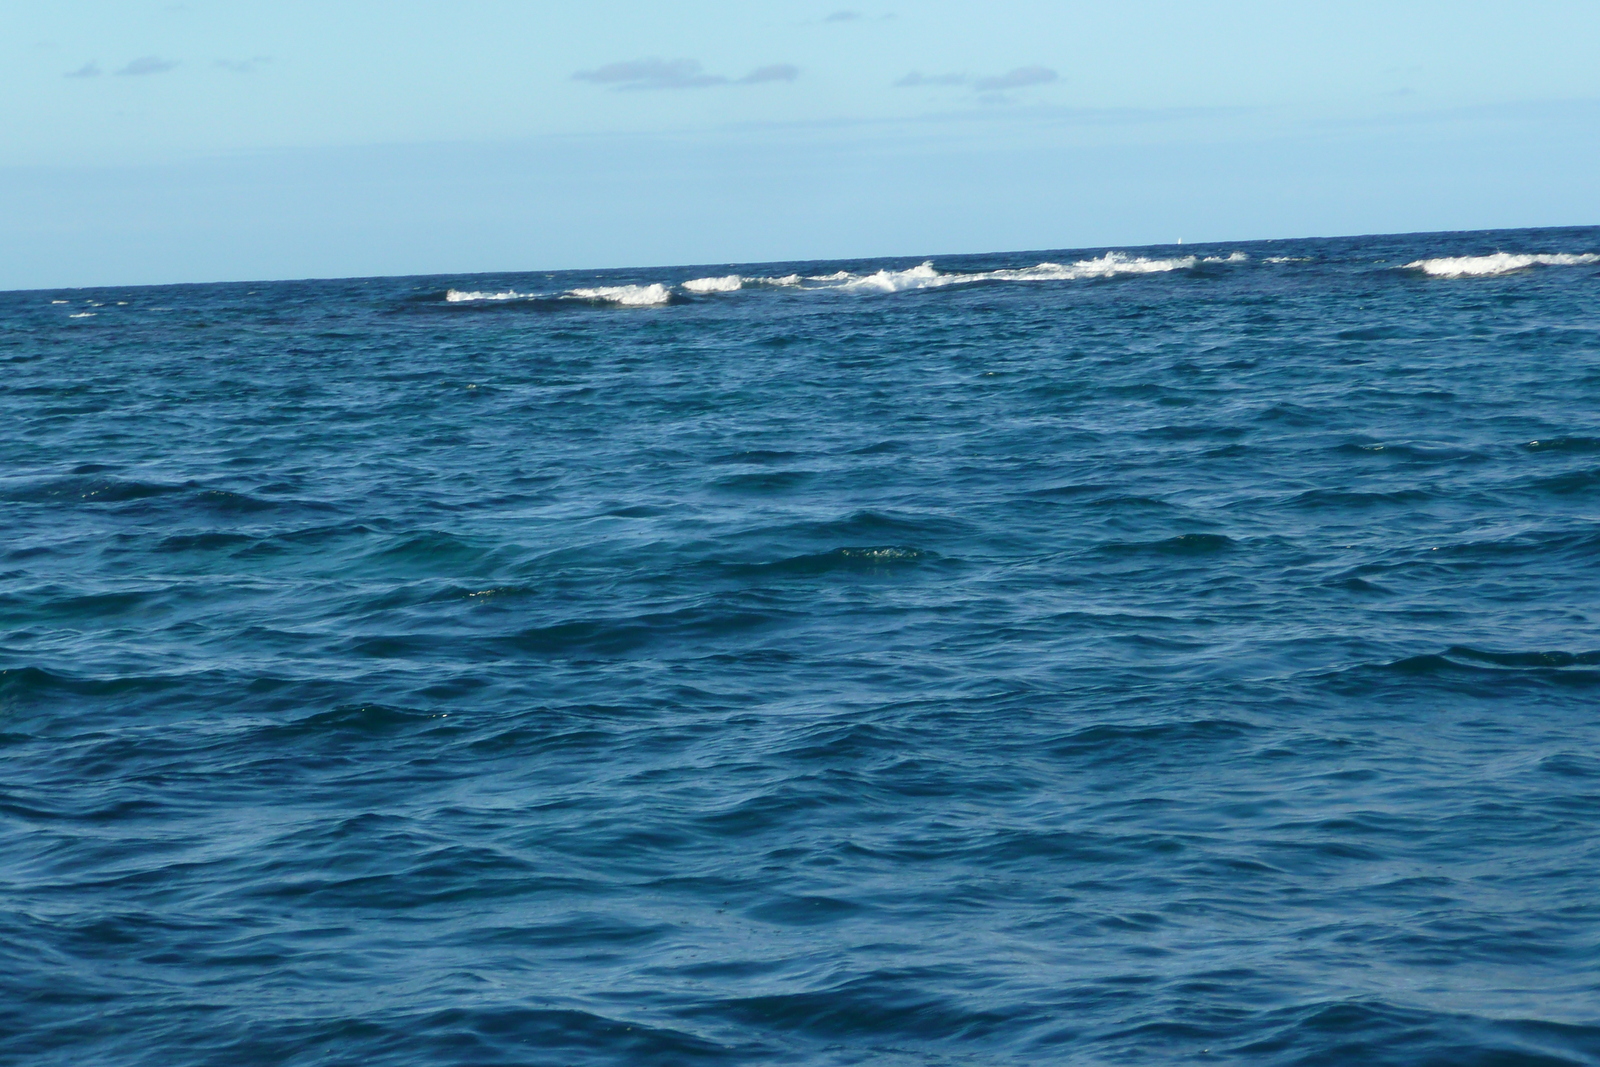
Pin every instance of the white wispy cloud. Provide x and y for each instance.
(148, 65)
(777, 72)
(916, 78)
(655, 73)
(991, 88)
(1018, 78)
(243, 66)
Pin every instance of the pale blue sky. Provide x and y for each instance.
(197, 141)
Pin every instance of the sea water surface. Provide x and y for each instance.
(1112, 656)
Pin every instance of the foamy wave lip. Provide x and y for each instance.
(1497, 263)
(893, 281)
(625, 295)
(788, 280)
(924, 276)
(725, 284)
(456, 296)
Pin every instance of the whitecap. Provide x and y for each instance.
(725, 284)
(625, 295)
(787, 280)
(925, 276)
(457, 296)
(1497, 263)
(58, 301)
(893, 281)
(82, 315)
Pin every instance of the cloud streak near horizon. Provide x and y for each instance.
(655, 73)
(1016, 78)
(148, 65)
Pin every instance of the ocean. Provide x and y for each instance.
(1158, 655)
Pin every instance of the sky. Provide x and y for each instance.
(206, 140)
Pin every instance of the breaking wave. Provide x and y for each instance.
(926, 276)
(1497, 263)
(726, 284)
(620, 295)
(457, 296)
(625, 295)
(923, 276)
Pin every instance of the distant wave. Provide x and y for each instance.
(621, 295)
(926, 276)
(923, 276)
(726, 284)
(457, 296)
(626, 295)
(1498, 263)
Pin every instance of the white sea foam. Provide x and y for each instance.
(726, 284)
(83, 315)
(1498, 263)
(58, 301)
(456, 296)
(922, 276)
(625, 295)
(925, 276)
(1287, 259)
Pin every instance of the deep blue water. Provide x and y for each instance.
(1191, 655)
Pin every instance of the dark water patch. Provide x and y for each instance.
(882, 1004)
(1340, 500)
(855, 559)
(1473, 675)
(1524, 659)
(1378, 1032)
(1580, 445)
(210, 541)
(91, 490)
(1568, 483)
(1189, 544)
(626, 635)
(1161, 741)
(764, 481)
(1411, 453)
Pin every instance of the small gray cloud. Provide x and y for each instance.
(656, 73)
(777, 72)
(88, 70)
(148, 65)
(1019, 78)
(651, 73)
(243, 66)
(843, 16)
(916, 78)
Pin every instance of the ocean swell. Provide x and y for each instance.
(1498, 263)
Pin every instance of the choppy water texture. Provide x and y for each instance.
(1151, 656)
